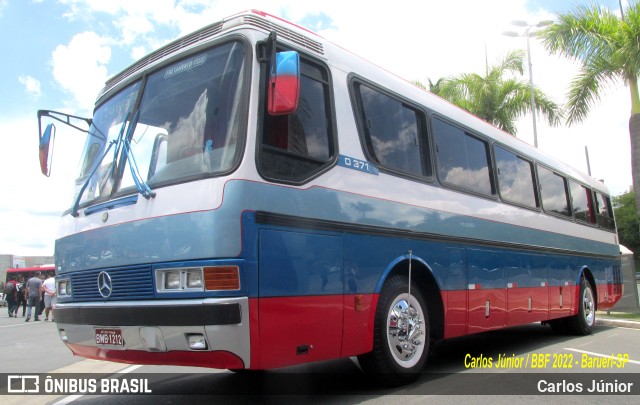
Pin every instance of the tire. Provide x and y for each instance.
(582, 323)
(400, 335)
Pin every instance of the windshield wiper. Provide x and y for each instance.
(121, 141)
(141, 185)
(74, 210)
(117, 141)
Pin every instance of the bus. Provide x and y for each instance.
(253, 196)
(28, 272)
(16, 273)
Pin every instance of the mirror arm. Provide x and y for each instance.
(67, 121)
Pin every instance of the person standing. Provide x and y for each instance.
(34, 284)
(10, 294)
(21, 298)
(41, 306)
(49, 287)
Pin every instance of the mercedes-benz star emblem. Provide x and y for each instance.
(104, 284)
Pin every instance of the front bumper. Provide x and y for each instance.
(157, 332)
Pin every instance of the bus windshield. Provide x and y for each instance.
(187, 126)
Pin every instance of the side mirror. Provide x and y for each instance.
(46, 149)
(284, 83)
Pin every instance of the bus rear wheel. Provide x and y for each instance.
(400, 335)
(582, 323)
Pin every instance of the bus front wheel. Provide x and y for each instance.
(400, 335)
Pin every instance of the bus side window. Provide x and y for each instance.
(582, 203)
(604, 213)
(393, 132)
(553, 191)
(516, 180)
(297, 146)
(463, 159)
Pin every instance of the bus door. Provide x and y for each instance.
(301, 297)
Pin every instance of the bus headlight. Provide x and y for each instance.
(194, 278)
(171, 280)
(180, 279)
(63, 288)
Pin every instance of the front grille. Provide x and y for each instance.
(127, 283)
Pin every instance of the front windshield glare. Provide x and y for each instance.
(108, 121)
(188, 124)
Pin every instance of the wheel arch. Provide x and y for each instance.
(422, 275)
(588, 275)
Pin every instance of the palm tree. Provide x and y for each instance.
(608, 49)
(495, 98)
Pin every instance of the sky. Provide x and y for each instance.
(57, 54)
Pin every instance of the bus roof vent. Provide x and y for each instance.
(285, 33)
(166, 50)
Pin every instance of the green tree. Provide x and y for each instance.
(608, 49)
(627, 221)
(497, 97)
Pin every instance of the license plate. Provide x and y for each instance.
(109, 337)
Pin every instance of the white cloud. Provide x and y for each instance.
(80, 67)
(138, 52)
(132, 26)
(32, 85)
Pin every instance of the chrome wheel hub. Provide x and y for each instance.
(405, 333)
(588, 306)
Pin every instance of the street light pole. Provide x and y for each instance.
(533, 99)
(527, 34)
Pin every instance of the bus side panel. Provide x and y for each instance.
(609, 285)
(301, 300)
(562, 273)
(296, 330)
(359, 314)
(527, 291)
(456, 294)
(487, 291)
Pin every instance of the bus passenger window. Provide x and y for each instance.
(553, 191)
(299, 145)
(393, 132)
(604, 213)
(516, 181)
(582, 203)
(463, 159)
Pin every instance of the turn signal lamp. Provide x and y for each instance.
(222, 278)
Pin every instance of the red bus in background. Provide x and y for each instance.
(28, 272)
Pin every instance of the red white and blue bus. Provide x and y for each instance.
(252, 196)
